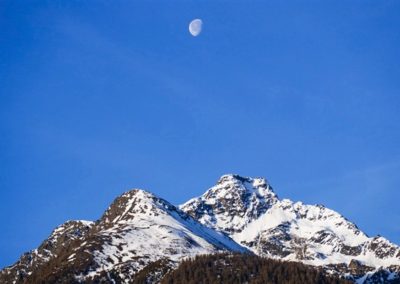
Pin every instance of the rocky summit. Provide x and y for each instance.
(142, 234)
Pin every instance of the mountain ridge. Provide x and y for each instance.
(238, 214)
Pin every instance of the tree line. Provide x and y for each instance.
(242, 268)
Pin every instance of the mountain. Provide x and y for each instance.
(138, 229)
(141, 238)
(248, 210)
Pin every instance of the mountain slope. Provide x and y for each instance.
(62, 238)
(137, 230)
(250, 212)
(140, 225)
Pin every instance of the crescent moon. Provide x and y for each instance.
(195, 27)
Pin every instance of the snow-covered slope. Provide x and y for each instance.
(141, 225)
(232, 203)
(250, 212)
(138, 230)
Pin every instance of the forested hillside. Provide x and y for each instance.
(241, 268)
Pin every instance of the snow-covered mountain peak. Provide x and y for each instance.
(136, 230)
(232, 186)
(232, 203)
(248, 210)
(139, 224)
(231, 182)
(136, 203)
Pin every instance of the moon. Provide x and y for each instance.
(195, 27)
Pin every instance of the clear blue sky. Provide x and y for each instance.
(100, 97)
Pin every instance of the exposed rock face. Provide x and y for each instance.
(63, 238)
(140, 237)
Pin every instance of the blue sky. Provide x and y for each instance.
(97, 97)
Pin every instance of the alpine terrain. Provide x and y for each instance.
(141, 236)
